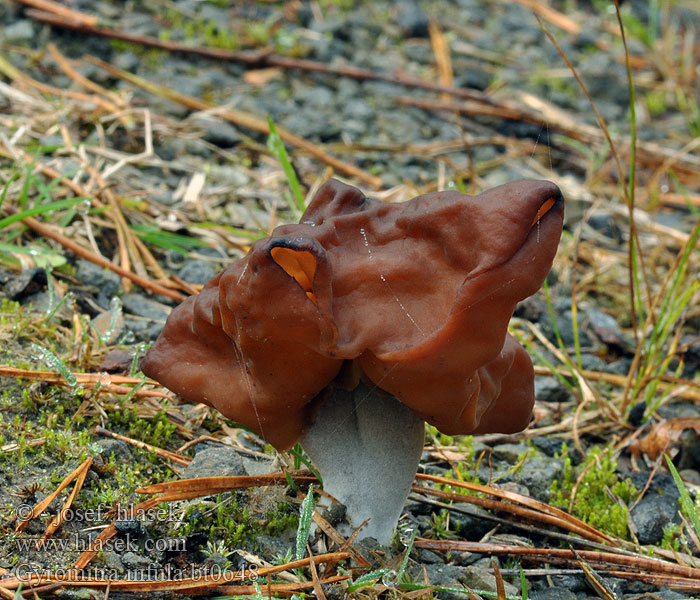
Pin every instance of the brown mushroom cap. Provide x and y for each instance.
(419, 294)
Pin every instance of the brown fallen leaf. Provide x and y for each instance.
(663, 435)
(260, 77)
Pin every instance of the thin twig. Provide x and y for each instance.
(166, 454)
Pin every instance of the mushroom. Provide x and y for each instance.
(350, 329)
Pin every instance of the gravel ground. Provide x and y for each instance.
(207, 167)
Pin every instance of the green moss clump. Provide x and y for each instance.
(156, 431)
(233, 521)
(601, 497)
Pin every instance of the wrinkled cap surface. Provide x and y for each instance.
(418, 294)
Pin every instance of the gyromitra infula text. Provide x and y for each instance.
(348, 330)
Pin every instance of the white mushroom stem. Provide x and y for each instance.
(367, 446)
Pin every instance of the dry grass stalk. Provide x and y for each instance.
(81, 471)
(90, 380)
(166, 454)
(241, 119)
(603, 559)
(60, 517)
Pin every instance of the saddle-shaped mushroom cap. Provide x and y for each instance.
(418, 294)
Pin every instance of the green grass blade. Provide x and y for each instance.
(41, 209)
(55, 363)
(276, 146)
(12, 178)
(300, 458)
(404, 563)
(307, 509)
(29, 178)
(523, 584)
(555, 327)
(686, 502)
(237, 231)
(176, 242)
(575, 331)
(41, 256)
(368, 579)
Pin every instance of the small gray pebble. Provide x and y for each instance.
(215, 461)
(19, 32)
(550, 389)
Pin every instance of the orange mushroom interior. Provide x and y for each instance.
(543, 210)
(299, 264)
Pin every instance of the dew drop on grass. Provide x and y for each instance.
(56, 364)
(406, 536)
(390, 578)
(128, 337)
(84, 207)
(115, 309)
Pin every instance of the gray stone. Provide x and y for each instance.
(131, 560)
(76, 594)
(537, 474)
(573, 583)
(605, 223)
(690, 344)
(358, 109)
(106, 9)
(411, 18)
(553, 593)
(266, 545)
(473, 78)
(550, 389)
(109, 326)
(510, 453)
(478, 579)
(165, 198)
(690, 476)
(130, 527)
(606, 328)
(311, 124)
(228, 175)
(670, 595)
(565, 326)
(604, 78)
(427, 557)
(18, 32)
(112, 561)
(690, 450)
(662, 483)
(127, 61)
(102, 279)
(45, 303)
(219, 132)
(26, 283)
(473, 523)
(145, 307)
(619, 367)
(419, 51)
(442, 574)
(108, 448)
(190, 85)
(652, 515)
(591, 362)
(214, 461)
(143, 331)
(314, 96)
(515, 488)
(550, 446)
(197, 271)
